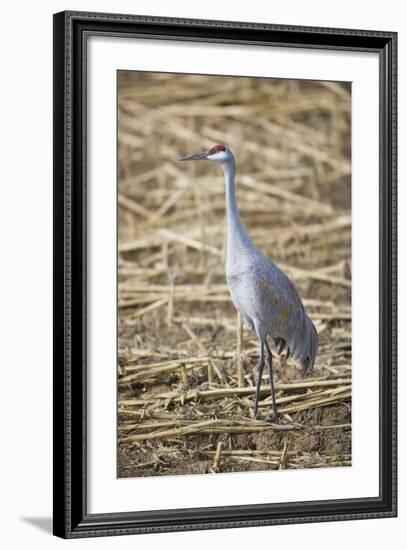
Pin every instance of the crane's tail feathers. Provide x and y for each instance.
(307, 367)
(280, 343)
(309, 362)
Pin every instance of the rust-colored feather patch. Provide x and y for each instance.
(217, 148)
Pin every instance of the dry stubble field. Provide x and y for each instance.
(186, 369)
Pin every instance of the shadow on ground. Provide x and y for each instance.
(42, 523)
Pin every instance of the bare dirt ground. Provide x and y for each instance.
(183, 408)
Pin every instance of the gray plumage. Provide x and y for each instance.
(259, 289)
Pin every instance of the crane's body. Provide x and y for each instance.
(259, 289)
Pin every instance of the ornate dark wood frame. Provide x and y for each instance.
(71, 518)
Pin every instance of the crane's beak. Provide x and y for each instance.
(196, 156)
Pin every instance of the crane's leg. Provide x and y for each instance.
(273, 396)
(260, 368)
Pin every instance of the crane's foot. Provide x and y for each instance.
(273, 420)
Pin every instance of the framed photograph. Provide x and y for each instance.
(224, 274)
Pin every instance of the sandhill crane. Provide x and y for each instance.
(259, 289)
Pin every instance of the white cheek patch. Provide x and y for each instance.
(220, 156)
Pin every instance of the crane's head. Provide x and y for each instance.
(218, 153)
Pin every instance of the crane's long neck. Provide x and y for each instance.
(237, 238)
